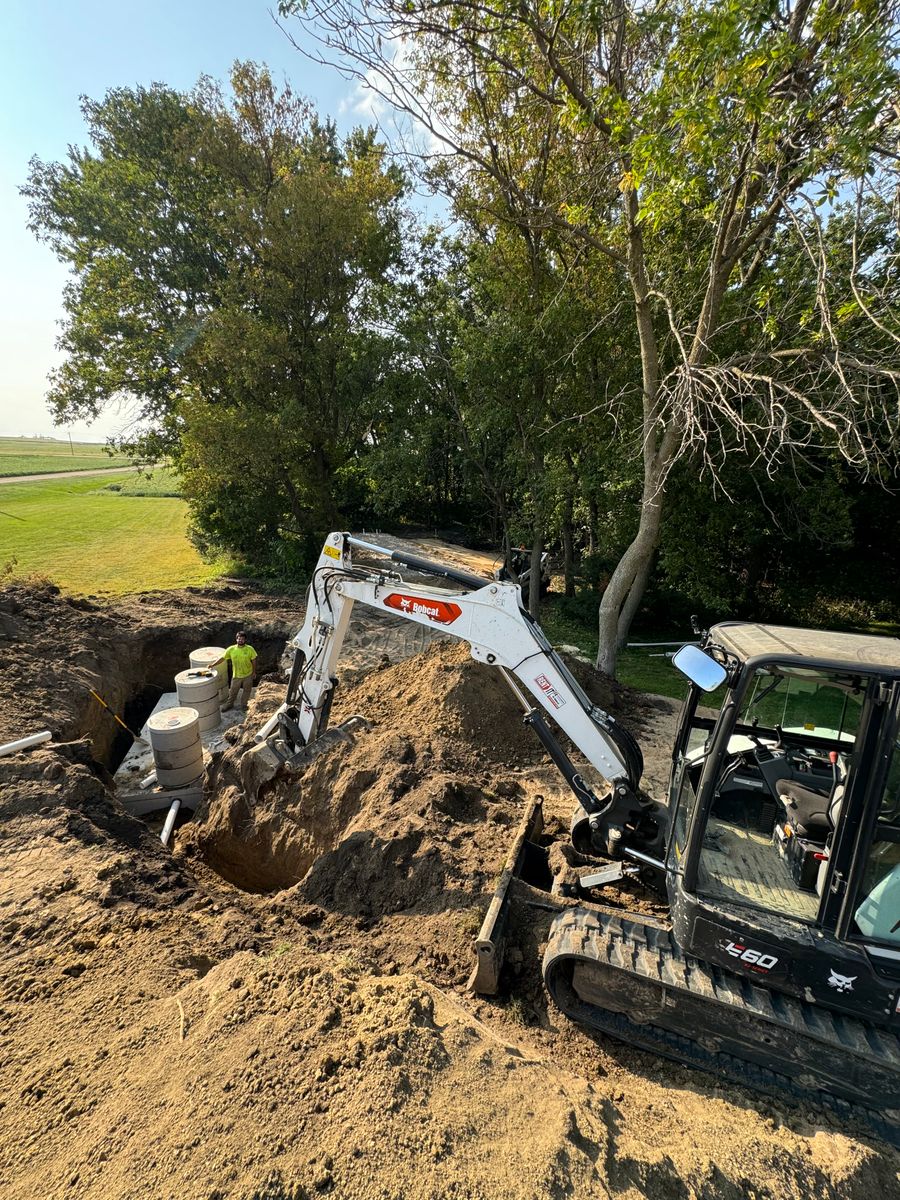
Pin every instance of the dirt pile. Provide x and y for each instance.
(413, 815)
(296, 1075)
(401, 831)
(294, 1023)
(53, 802)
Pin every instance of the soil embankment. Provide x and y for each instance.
(277, 1010)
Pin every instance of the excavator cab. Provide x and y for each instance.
(784, 853)
(778, 965)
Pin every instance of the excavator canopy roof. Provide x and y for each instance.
(747, 640)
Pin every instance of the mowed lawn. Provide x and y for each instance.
(38, 456)
(88, 540)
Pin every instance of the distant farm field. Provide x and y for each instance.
(37, 456)
(90, 540)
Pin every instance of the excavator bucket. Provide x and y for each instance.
(263, 762)
(490, 945)
(259, 764)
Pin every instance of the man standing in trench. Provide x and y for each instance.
(243, 671)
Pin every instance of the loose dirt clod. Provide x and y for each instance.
(276, 1010)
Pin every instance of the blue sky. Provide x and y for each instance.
(53, 51)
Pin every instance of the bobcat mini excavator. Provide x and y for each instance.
(778, 848)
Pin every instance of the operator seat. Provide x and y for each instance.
(806, 807)
(814, 812)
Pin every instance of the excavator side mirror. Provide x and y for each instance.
(700, 669)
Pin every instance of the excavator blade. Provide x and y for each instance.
(624, 975)
(490, 945)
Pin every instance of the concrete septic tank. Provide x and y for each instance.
(174, 737)
(198, 688)
(207, 656)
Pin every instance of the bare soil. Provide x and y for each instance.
(277, 1009)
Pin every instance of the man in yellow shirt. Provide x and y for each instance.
(243, 671)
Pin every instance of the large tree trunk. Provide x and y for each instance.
(626, 587)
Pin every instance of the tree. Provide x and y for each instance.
(703, 138)
(232, 267)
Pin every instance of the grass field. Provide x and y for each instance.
(89, 540)
(35, 456)
(161, 481)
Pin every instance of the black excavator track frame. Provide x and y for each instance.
(761, 1039)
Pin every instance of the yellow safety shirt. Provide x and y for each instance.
(241, 660)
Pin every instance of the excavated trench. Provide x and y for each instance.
(57, 652)
(413, 816)
(270, 843)
(133, 690)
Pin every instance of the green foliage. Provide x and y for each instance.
(689, 158)
(653, 276)
(160, 481)
(233, 267)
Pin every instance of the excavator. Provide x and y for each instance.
(777, 848)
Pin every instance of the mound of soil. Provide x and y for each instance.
(409, 815)
(277, 1010)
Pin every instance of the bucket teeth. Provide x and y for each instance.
(345, 732)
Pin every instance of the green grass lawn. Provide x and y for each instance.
(647, 670)
(35, 456)
(89, 540)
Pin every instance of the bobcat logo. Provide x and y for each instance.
(843, 983)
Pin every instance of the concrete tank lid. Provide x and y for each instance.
(173, 718)
(196, 675)
(209, 651)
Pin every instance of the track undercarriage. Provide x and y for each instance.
(625, 975)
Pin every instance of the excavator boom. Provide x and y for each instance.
(488, 615)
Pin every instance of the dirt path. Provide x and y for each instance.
(65, 474)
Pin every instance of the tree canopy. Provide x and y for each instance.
(232, 266)
(660, 336)
(699, 147)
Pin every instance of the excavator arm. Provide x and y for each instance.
(489, 616)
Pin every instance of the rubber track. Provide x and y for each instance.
(647, 953)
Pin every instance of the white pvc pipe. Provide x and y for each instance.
(170, 822)
(147, 781)
(33, 739)
(270, 724)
